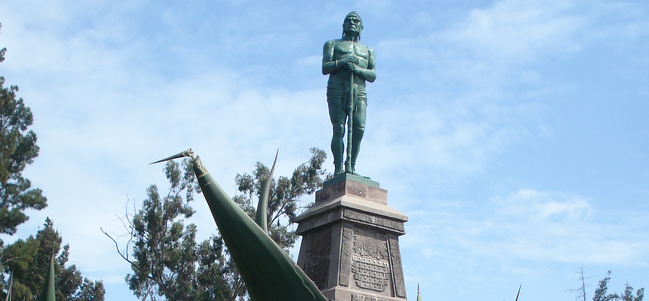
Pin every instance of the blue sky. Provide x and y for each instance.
(512, 133)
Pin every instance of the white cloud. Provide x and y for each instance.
(511, 32)
(537, 226)
(527, 203)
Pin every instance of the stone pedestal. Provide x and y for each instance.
(350, 242)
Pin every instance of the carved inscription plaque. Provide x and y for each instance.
(370, 273)
(317, 256)
(370, 260)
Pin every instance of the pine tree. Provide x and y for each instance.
(601, 293)
(28, 261)
(17, 149)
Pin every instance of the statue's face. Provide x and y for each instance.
(352, 25)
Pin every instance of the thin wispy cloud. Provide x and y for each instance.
(545, 228)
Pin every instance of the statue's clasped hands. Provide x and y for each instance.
(352, 63)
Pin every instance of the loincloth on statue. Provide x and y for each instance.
(338, 96)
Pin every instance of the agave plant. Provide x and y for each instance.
(519, 292)
(268, 272)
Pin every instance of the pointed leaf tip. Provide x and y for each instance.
(262, 207)
(272, 170)
(188, 153)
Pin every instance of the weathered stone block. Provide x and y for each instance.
(350, 244)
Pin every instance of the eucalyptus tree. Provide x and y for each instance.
(166, 259)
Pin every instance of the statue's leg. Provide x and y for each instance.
(359, 128)
(338, 118)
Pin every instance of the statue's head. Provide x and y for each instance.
(353, 25)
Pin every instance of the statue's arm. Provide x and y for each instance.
(368, 74)
(329, 64)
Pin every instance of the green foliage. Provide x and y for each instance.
(28, 260)
(601, 293)
(17, 149)
(602, 289)
(168, 262)
(284, 194)
(628, 294)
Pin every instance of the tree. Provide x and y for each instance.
(166, 259)
(17, 149)
(581, 290)
(601, 293)
(28, 261)
(284, 196)
(628, 293)
(602, 289)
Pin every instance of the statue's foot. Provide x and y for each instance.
(357, 174)
(338, 168)
(350, 169)
(338, 171)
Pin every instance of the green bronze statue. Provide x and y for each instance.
(349, 65)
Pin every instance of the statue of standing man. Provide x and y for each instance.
(349, 65)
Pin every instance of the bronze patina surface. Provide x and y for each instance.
(350, 65)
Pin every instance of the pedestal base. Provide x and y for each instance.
(350, 244)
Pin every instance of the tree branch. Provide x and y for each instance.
(125, 257)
